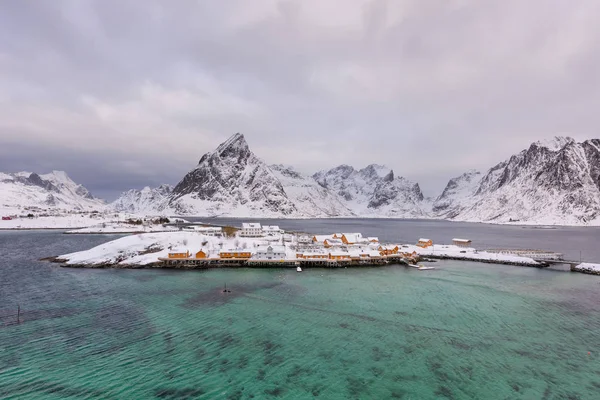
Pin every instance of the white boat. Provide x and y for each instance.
(298, 269)
(420, 267)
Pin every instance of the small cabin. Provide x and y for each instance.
(388, 250)
(461, 242)
(179, 253)
(352, 238)
(373, 239)
(201, 254)
(322, 238)
(424, 243)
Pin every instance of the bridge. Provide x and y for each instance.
(572, 264)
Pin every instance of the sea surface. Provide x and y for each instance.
(462, 331)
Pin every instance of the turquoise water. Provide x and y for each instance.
(465, 330)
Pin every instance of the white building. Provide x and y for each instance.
(210, 230)
(269, 253)
(272, 230)
(251, 229)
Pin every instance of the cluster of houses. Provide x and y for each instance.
(348, 247)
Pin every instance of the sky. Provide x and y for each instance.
(122, 94)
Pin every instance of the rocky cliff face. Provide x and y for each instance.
(231, 181)
(54, 190)
(145, 201)
(374, 191)
(557, 181)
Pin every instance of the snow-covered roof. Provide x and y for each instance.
(251, 225)
(461, 240)
(274, 249)
(270, 228)
(235, 251)
(353, 237)
(424, 240)
(311, 253)
(339, 253)
(178, 250)
(373, 239)
(322, 238)
(334, 241)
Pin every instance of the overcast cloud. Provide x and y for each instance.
(124, 94)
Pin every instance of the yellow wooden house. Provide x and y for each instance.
(201, 254)
(387, 250)
(178, 253)
(424, 243)
(235, 254)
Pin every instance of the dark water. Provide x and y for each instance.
(463, 331)
(573, 242)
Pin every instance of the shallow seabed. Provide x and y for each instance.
(465, 330)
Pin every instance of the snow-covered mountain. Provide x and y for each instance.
(374, 191)
(551, 182)
(231, 181)
(310, 198)
(145, 201)
(52, 191)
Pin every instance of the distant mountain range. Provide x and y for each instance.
(55, 190)
(553, 182)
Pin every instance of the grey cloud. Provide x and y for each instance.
(429, 88)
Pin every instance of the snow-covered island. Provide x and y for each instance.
(254, 244)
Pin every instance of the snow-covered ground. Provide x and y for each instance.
(61, 221)
(145, 249)
(122, 227)
(588, 268)
(466, 253)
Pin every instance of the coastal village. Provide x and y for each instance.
(268, 245)
(181, 244)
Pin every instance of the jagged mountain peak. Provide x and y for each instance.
(554, 144)
(552, 181)
(376, 171)
(231, 178)
(236, 142)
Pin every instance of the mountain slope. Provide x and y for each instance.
(145, 201)
(231, 181)
(374, 191)
(54, 190)
(310, 198)
(551, 182)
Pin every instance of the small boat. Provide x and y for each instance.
(298, 269)
(420, 267)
